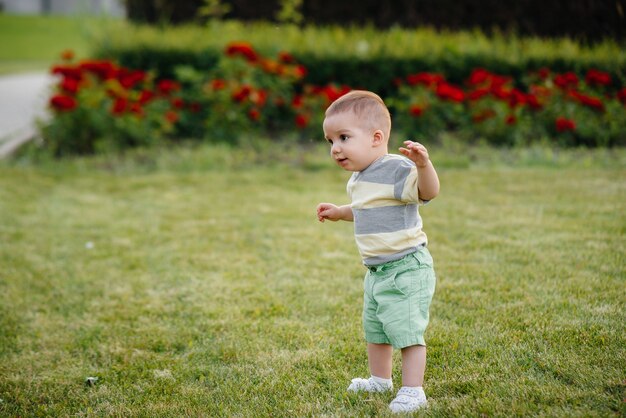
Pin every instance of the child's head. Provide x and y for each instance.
(357, 125)
(368, 107)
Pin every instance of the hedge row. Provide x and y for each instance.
(365, 58)
(374, 74)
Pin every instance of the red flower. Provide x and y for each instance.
(621, 96)
(63, 103)
(254, 114)
(597, 78)
(195, 107)
(543, 73)
(416, 110)
(171, 116)
(533, 102)
(271, 66)
(449, 92)
(242, 93)
(258, 97)
(119, 106)
(510, 120)
(566, 81)
(426, 79)
(484, 115)
(478, 94)
(67, 71)
(332, 93)
(178, 103)
(136, 109)
(300, 71)
(145, 96)
(297, 101)
(244, 49)
(129, 78)
(517, 98)
(500, 92)
(105, 70)
(497, 81)
(67, 55)
(563, 125)
(167, 86)
(301, 121)
(589, 101)
(479, 76)
(70, 85)
(218, 84)
(286, 57)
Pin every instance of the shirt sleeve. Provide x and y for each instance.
(406, 180)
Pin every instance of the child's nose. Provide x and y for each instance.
(336, 148)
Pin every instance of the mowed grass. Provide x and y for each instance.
(199, 283)
(34, 43)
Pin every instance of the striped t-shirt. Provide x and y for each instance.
(387, 224)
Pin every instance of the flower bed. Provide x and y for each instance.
(99, 105)
(561, 107)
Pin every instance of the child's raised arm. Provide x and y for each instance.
(427, 179)
(334, 213)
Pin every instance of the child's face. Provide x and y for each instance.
(353, 146)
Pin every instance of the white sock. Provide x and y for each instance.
(381, 381)
(417, 388)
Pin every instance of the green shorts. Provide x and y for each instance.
(397, 299)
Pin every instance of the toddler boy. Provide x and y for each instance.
(385, 190)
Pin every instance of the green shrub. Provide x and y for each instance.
(363, 57)
(559, 106)
(99, 106)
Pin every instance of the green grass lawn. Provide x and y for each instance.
(33, 43)
(199, 283)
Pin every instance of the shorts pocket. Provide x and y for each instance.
(427, 281)
(405, 282)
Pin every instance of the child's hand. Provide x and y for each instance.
(328, 211)
(416, 152)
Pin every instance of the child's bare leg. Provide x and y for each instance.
(411, 396)
(413, 365)
(379, 357)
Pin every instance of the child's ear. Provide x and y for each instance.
(379, 138)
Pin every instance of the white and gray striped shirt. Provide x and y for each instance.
(387, 223)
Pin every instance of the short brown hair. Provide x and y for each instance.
(367, 106)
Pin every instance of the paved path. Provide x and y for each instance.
(23, 101)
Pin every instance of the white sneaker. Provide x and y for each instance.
(368, 385)
(408, 400)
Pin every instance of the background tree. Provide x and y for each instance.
(584, 19)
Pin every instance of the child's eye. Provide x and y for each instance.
(343, 137)
(330, 141)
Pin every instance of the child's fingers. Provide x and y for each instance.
(322, 211)
(411, 149)
(414, 145)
